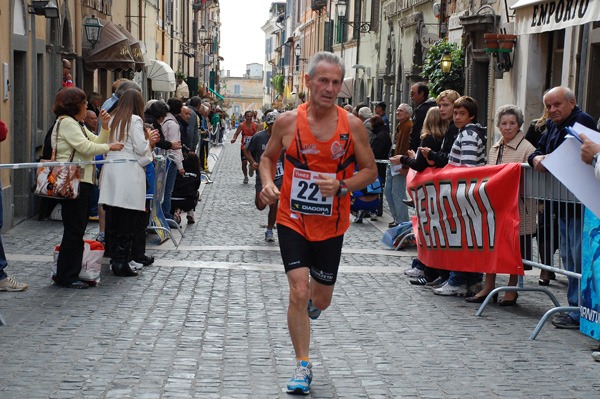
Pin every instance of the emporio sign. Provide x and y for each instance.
(543, 16)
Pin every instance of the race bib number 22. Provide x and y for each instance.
(305, 195)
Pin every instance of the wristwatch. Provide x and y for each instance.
(343, 190)
(595, 160)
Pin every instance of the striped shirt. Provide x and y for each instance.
(468, 148)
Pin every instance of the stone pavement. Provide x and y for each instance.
(208, 320)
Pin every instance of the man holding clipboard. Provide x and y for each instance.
(563, 113)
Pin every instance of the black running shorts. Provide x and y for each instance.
(322, 258)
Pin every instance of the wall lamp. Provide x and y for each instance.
(48, 9)
(341, 7)
(297, 52)
(93, 29)
(446, 62)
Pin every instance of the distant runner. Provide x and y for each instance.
(247, 129)
(253, 152)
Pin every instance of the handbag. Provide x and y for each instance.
(60, 182)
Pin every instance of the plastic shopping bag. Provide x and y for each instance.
(91, 264)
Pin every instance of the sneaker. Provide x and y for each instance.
(177, 217)
(419, 281)
(246, 180)
(251, 172)
(300, 382)
(93, 218)
(10, 285)
(100, 238)
(374, 217)
(450, 290)
(474, 289)
(409, 202)
(312, 310)
(190, 218)
(596, 356)
(565, 321)
(359, 216)
(135, 265)
(438, 282)
(269, 236)
(414, 272)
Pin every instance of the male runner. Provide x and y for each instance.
(322, 142)
(248, 129)
(253, 152)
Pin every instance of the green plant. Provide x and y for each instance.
(278, 83)
(432, 70)
(179, 75)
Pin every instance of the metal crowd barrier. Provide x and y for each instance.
(158, 223)
(549, 207)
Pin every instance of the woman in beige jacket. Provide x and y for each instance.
(69, 137)
(512, 147)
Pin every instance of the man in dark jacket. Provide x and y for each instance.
(184, 118)
(564, 112)
(419, 93)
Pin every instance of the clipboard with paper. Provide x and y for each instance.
(566, 165)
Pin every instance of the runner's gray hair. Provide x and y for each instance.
(327, 57)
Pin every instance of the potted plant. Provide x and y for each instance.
(506, 43)
(491, 42)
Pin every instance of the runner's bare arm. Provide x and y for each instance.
(283, 131)
(367, 172)
(237, 133)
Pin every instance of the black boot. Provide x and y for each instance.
(120, 264)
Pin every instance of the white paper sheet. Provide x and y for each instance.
(566, 165)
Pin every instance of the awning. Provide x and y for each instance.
(217, 94)
(111, 52)
(537, 16)
(161, 75)
(347, 90)
(135, 47)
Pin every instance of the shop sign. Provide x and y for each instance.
(543, 16)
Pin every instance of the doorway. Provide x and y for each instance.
(20, 138)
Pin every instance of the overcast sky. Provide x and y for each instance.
(242, 40)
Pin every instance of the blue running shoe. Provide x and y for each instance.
(313, 312)
(300, 382)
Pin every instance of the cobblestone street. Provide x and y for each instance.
(208, 320)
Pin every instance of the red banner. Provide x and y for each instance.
(468, 218)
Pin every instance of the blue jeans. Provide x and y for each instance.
(169, 184)
(469, 278)
(570, 253)
(395, 192)
(3, 262)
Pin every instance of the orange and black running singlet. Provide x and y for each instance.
(302, 207)
(247, 134)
